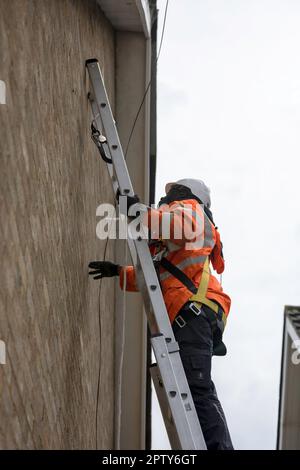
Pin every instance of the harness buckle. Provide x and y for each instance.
(196, 310)
(182, 321)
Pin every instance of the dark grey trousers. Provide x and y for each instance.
(196, 348)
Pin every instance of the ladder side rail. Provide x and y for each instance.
(145, 263)
(111, 134)
(97, 120)
(180, 399)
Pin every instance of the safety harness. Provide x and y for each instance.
(199, 294)
(214, 313)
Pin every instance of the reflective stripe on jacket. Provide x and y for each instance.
(187, 253)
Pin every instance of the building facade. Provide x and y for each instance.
(288, 436)
(75, 372)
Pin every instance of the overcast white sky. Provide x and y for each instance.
(229, 113)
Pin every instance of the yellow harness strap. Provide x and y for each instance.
(202, 289)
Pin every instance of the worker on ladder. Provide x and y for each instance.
(196, 303)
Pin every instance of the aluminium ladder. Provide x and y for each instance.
(168, 374)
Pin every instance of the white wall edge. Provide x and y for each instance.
(145, 15)
(2, 92)
(291, 330)
(2, 352)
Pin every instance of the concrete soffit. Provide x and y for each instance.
(128, 15)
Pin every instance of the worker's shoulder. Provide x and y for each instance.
(190, 204)
(186, 202)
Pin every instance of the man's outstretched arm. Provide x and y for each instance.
(100, 269)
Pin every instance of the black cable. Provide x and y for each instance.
(149, 84)
(163, 31)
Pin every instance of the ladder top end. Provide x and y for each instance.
(90, 61)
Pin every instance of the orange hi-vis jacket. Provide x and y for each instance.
(186, 251)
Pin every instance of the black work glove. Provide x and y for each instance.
(103, 269)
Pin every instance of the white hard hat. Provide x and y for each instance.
(197, 187)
